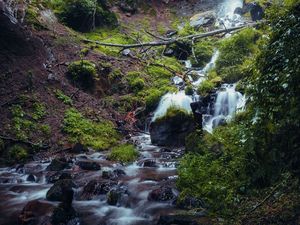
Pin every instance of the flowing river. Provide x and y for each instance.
(145, 190)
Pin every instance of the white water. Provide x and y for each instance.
(228, 102)
(178, 100)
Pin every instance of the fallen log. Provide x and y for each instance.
(170, 41)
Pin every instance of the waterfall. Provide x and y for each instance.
(226, 15)
(227, 103)
(179, 100)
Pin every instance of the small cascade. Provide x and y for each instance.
(179, 100)
(227, 103)
(226, 15)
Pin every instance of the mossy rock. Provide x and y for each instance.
(172, 128)
(83, 73)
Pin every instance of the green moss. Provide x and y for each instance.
(97, 135)
(176, 114)
(203, 51)
(64, 98)
(189, 90)
(125, 153)
(82, 73)
(206, 87)
(17, 153)
(233, 52)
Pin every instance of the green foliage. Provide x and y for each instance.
(206, 87)
(17, 153)
(83, 15)
(233, 52)
(97, 135)
(137, 84)
(125, 153)
(64, 98)
(203, 51)
(83, 73)
(189, 90)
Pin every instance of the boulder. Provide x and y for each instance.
(172, 129)
(88, 165)
(58, 165)
(58, 191)
(118, 196)
(95, 188)
(53, 177)
(78, 148)
(203, 19)
(31, 178)
(147, 163)
(162, 194)
(35, 212)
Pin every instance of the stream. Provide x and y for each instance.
(143, 191)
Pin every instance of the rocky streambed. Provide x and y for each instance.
(82, 187)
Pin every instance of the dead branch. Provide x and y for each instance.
(41, 146)
(170, 41)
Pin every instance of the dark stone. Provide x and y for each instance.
(58, 190)
(148, 163)
(171, 131)
(118, 196)
(169, 52)
(113, 174)
(88, 165)
(256, 12)
(35, 212)
(53, 177)
(31, 178)
(95, 188)
(64, 215)
(177, 220)
(57, 165)
(239, 11)
(113, 197)
(79, 148)
(161, 194)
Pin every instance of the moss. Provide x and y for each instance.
(124, 153)
(203, 52)
(97, 135)
(31, 18)
(176, 114)
(206, 87)
(17, 153)
(82, 73)
(189, 90)
(152, 98)
(64, 98)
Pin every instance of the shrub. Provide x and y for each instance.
(82, 73)
(83, 15)
(206, 87)
(124, 153)
(17, 153)
(97, 135)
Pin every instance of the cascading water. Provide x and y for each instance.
(228, 102)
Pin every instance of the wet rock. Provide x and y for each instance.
(79, 148)
(161, 194)
(57, 165)
(30, 178)
(65, 213)
(239, 11)
(203, 19)
(118, 196)
(256, 11)
(171, 130)
(148, 163)
(53, 177)
(88, 165)
(113, 174)
(95, 188)
(35, 212)
(57, 191)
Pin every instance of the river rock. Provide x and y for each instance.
(36, 212)
(203, 19)
(53, 177)
(161, 194)
(58, 165)
(95, 188)
(58, 190)
(112, 175)
(78, 148)
(171, 130)
(88, 165)
(31, 178)
(147, 163)
(118, 196)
